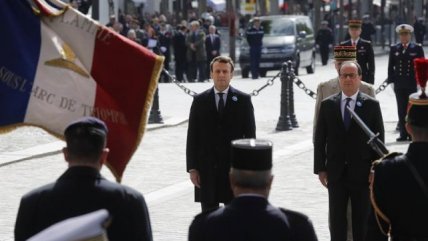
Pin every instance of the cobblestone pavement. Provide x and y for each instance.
(158, 167)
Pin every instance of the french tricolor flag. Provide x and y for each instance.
(57, 65)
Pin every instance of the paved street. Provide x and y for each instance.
(158, 167)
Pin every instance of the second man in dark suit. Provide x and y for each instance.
(212, 46)
(342, 158)
(217, 116)
(365, 54)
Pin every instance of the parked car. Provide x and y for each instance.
(287, 37)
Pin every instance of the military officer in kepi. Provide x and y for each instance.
(401, 72)
(399, 192)
(365, 54)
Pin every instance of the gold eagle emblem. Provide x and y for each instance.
(67, 61)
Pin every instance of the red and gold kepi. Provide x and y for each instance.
(354, 23)
(417, 109)
(344, 53)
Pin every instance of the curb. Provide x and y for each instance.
(55, 147)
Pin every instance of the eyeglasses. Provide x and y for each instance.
(350, 75)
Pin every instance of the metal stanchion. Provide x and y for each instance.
(155, 115)
(293, 119)
(284, 122)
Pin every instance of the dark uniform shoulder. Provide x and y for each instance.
(345, 42)
(365, 41)
(300, 226)
(294, 215)
(203, 215)
(388, 159)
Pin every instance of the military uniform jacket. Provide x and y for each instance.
(324, 37)
(400, 67)
(337, 149)
(398, 195)
(255, 36)
(365, 58)
(251, 218)
(328, 88)
(209, 138)
(78, 191)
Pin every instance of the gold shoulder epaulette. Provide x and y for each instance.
(387, 156)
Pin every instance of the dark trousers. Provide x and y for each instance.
(339, 193)
(197, 68)
(255, 55)
(402, 97)
(324, 51)
(367, 78)
(180, 69)
(209, 205)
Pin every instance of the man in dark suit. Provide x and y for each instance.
(212, 46)
(82, 189)
(180, 49)
(400, 185)
(217, 116)
(250, 216)
(401, 72)
(342, 158)
(365, 54)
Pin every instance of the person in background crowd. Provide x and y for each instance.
(133, 36)
(324, 41)
(255, 40)
(401, 72)
(196, 54)
(420, 30)
(112, 21)
(212, 45)
(367, 28)
(165, 39)
(180, 49)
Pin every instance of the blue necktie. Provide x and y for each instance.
(347, 114)
(220, 106)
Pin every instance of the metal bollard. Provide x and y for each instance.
(155, 115)
(284, 122)
(293, 119)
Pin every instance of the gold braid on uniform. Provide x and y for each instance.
(378, 213)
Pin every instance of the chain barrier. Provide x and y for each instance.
(382, 87)
(179, 84)
(303, 87)
(268, 83)
(193, 93)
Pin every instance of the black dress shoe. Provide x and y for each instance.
(403, 138)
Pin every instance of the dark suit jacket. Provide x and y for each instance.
(400, 67)
(399, 196)
(209, 137)
(251, 218)
(335, 147)
(78, 191)
(210, 46)
(365, 58)
(179, 45)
